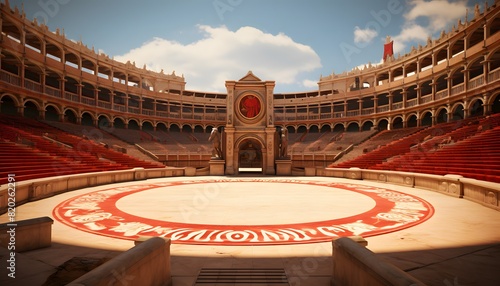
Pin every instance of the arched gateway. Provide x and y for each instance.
(250, 139)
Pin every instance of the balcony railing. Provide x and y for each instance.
(412, 102)
(494, 75)
(10, 78)
(353, 113)
(71, 96)
(457, 89)
(53, 91)
(134, 110)
(88, 101)
(32, 85)
(426, 98)
(442, 94)
(119, 108)
(148, 112)
(397, 105)
(384, 108)
(104, 104)
(367, 111)
(476, 82)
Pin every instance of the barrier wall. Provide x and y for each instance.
(29, 234)
(485, 193)
(147, 263)
(354, 264)
(14, 194)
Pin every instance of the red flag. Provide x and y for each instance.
(388, 50)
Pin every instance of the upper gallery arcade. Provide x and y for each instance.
(46, 75)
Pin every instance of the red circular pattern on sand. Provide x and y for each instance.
(97, 213)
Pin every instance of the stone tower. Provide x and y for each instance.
(250, 134)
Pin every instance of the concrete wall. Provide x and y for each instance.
(12, 195)
(25, 235)
(147, 263)
(485, 193)
(354, 264)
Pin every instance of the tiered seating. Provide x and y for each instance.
(423, 147)
(67, 154)
(341, 141)
(382, 153)
(473, 151)
(29, 163)
(177, 142)
(131, 136)
(302, 144)
(477, 157)
(100, 136)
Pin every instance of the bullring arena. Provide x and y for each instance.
(114, 174)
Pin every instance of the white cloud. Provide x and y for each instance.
(426, 19)
(439, 13)
(408, 34)
(310, 83)
(227, 55)
(364, 35)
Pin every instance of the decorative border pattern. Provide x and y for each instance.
(97, 213)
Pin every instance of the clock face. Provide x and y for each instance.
(250, 106)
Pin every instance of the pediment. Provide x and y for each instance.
(250, 77)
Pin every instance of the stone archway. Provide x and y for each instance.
(250, 157)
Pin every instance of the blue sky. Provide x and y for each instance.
(292, 42)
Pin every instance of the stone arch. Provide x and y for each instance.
(104, 121)
(339, 127)
(174, 127)
(119, 122)
(326, 128)
(493, 59)
(367, 125)
(133, 124)
(250, 152)
(52, 112)
(411, 120)
(352, 126)
(397, 122)
(198, 129)
(457, 111)
(31, 109)
(314, 129)
(88, 119)
(147, 125)
(494, 102)
(441, 115)
(426, 118)
(161, 126)
(8, 104)
(301, 129)
(383, 124)
(476, 107)
(187, 128)
(475, 67)
(70, 115)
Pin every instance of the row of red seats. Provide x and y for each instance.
(477, 156)
(472, 153)
(31, 149)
